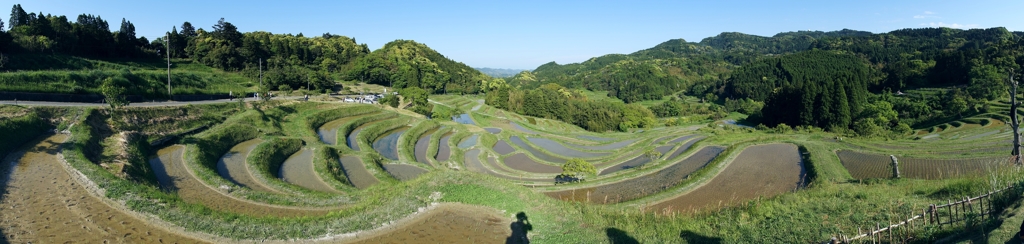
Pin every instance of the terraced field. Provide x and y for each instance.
(315, 172)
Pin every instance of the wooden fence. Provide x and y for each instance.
(965, 212)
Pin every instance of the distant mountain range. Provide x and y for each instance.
(500, 73)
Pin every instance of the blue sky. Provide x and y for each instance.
(526, 34)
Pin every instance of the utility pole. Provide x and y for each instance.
(167, 42)
(1014, 121)
(261, 74)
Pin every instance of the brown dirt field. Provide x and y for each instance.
(44, 204)
(762, 170)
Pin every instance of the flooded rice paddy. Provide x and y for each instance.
(421, 147)
(351, 138)
(356, 172)
(866, 165)
(593, 138)
(404, 172)
(444, 152)
(328, 132)
(473, 164)
(520, 161)
(232, 166)
(493, 130)
(448, 223)
(190, 189)
(42, 203)
(503, 148)
(605, 147)
(522, 129)
(463, 119)
(638, 187)
(635, 162)
(468, 142)
(762, 170)
(684, 147)
(559, 149)
(536, 153)
(298, 170)
(387, 145)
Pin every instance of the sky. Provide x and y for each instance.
(526, 34)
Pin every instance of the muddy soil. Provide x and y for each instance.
(44, 204)
(192, 190)
(387, 145)
(762, 170)
(444, 152)
(642, 186)
(404, 172)
(448, 223)
(298, 170)
(473, 164)
(864, 165)
(233, 166)
(356, 172)
(421, 147)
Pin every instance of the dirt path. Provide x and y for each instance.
(192, 190)
(44, 204)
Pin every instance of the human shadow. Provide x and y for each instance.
(617, 236)
(690, 237)
(519, 230)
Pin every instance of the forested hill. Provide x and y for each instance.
(900, 59)
(405, 63)
(52, 47)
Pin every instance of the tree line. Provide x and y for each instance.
(553, 101)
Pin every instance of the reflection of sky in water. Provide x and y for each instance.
(388, 145)
(468, 142)
(463, 119)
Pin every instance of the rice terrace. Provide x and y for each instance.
(223, 136)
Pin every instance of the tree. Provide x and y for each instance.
(958, 105)
(577, 167)
(114, 93)
(188, 30)
(652, 154)
(18, 16)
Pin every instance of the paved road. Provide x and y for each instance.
(140, 104)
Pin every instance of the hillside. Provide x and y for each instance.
(404, 63)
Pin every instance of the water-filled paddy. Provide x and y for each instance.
(522, 162)
(192, 190)
(559, 149)
(610, 146)
(356, 172)
(536, 153)
(444, 152)
(403, 172)
(635, 162)
(593, 138)
(762, 170)
(298, 170)
(387, 145)
(684, 147)
(328, 132)
(42, 203)
(503, 148)
(473, 164)
(233, 167)
(522, 129)
(351, 138)
(468, 142)
(493, 130)
(463, 119)
(421, 147)
(644, 185)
